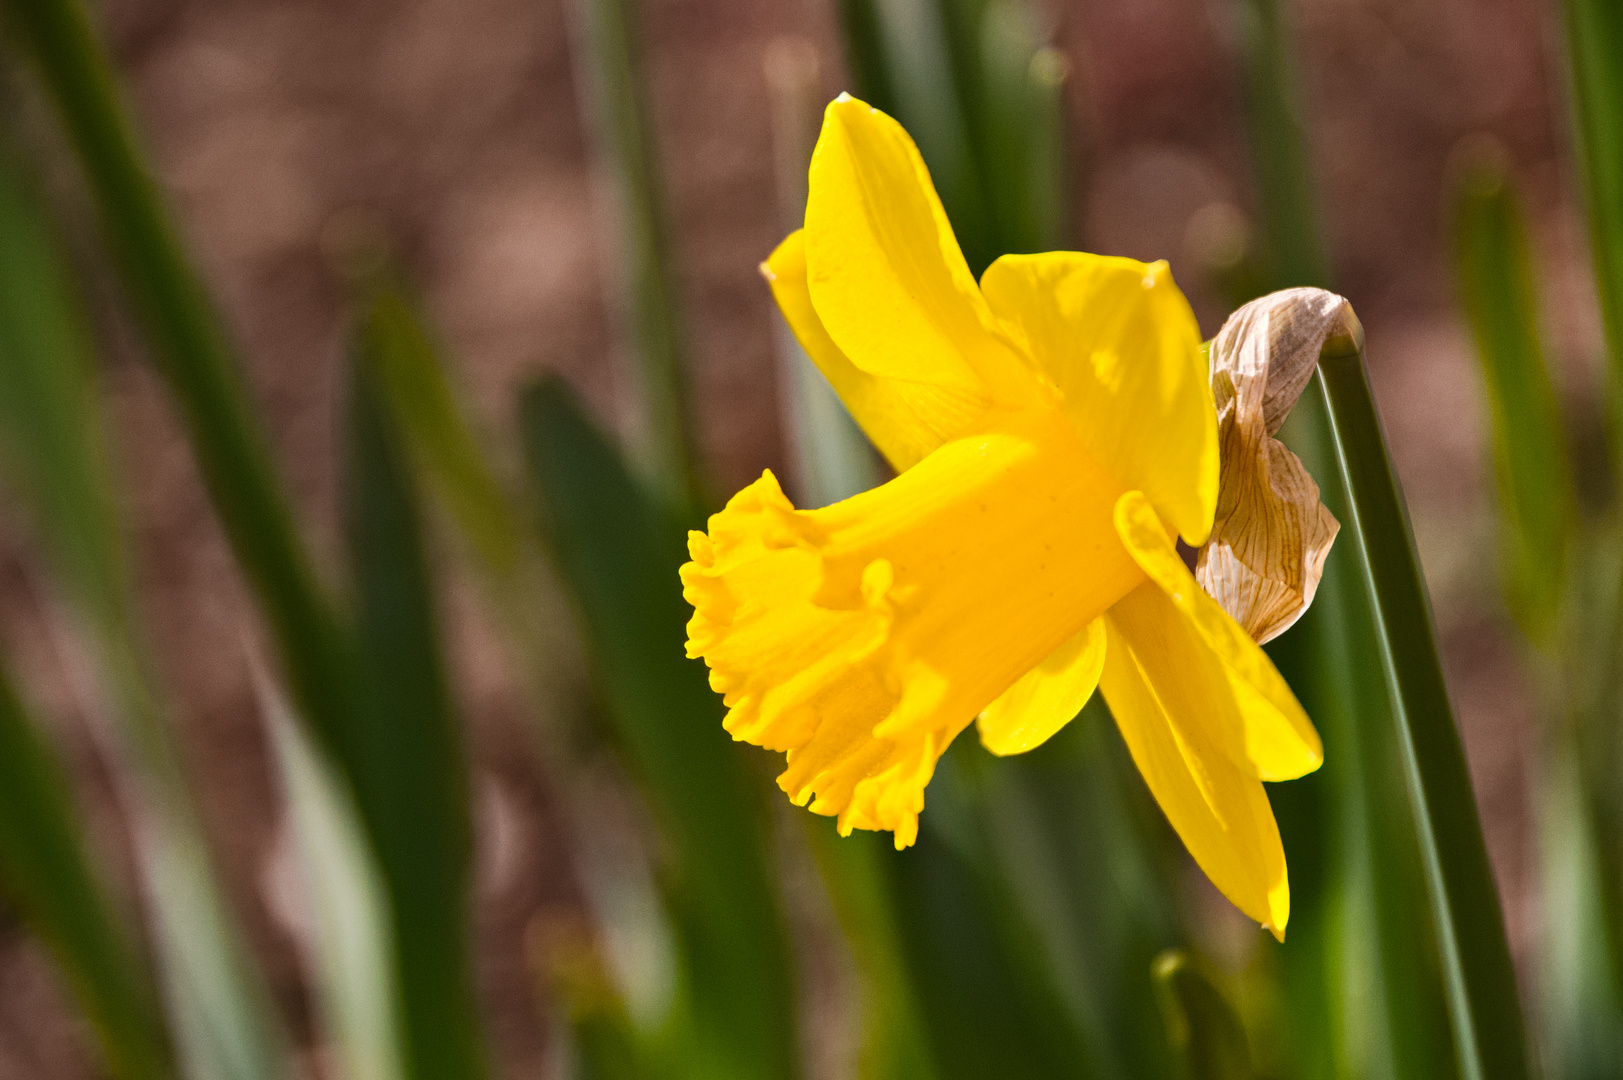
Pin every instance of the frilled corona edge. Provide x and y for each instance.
(861, 638)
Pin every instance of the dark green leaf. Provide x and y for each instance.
(46, 874)
(606, 31)
(51, 448)
(1481, 983)
(1536, 500)
(617, 552)
(403, 744)
(190, 349)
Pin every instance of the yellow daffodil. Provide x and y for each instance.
(1053, 431)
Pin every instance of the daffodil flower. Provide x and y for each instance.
(1053, 431)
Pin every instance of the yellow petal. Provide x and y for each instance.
(1119, 341)
(884, 270)
(1220, 812)
(862, 637)
(1047, 697)
(1279, 740)
(904, 418)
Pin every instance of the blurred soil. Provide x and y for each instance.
(284, 128)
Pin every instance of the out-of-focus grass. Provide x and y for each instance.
(191, 349)
(404, 740)
(1202, 1026)
(1551, 557)
(53, 454)
(1537, 506)
(610, 76)
(351, 954)
(1594, 41)
(46, 873)
(617, 550)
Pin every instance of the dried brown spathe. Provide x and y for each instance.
(1271, 534)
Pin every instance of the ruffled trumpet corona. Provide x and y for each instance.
(1053, 430)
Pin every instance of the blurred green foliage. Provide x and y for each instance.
(1020, 936)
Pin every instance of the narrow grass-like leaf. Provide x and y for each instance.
(617, 552)
(1595, 64)
(1292, 252)
(1484, 1009)
(407, 765)
(865, 55)
(51, 448)
(607, 63)
(45, 872)
(1021, 128)
(190, 348)
(429, 416)
(895, 1044)
(1201, 1024)
(1380, 1002)
(1582, 1011)
(505, 559)
(1537, 509)
(991, 1002)
(1092, 868)
(1363, 982)
(352, 956)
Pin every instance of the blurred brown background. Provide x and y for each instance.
(283, 128)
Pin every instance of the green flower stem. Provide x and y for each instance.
(1484, 1010)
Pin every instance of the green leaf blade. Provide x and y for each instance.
(46, 872)
(1484, 1008)
(617, 552)
(52, 450)
(191, 350)
(403, 746)
(1595, 68)
(1537, 505)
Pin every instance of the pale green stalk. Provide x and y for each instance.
(610, 77)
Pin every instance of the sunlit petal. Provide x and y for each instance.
(1219, 810)
(1047, 697)
(906, 419)
(1119, 341)
(884, 271)
(1280, 742)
